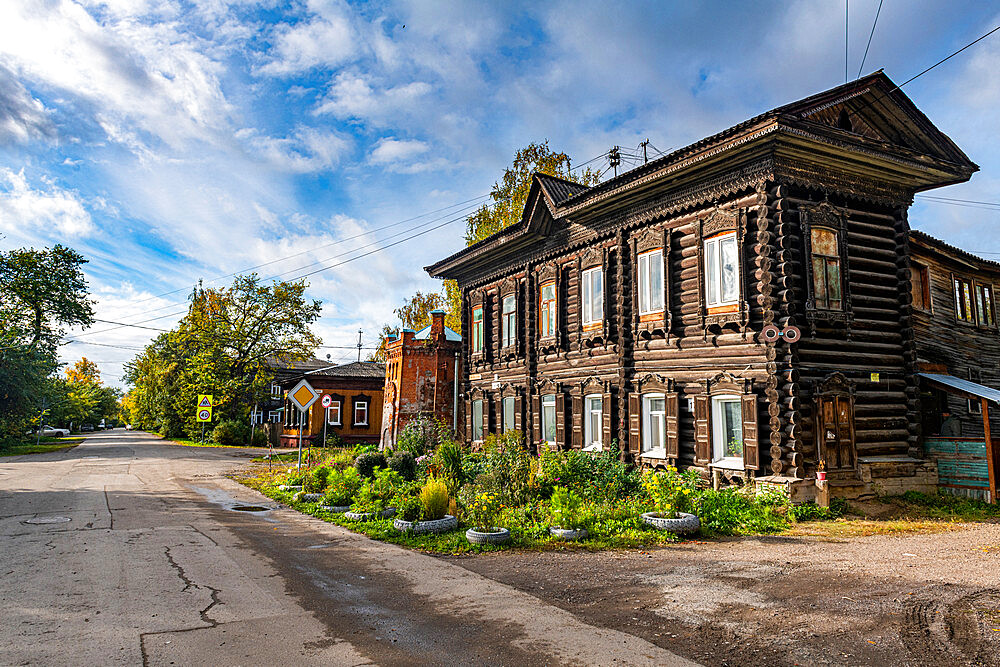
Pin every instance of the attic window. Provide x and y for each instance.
(844, 121)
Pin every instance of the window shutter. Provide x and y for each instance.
(634, 408)
(468, 419)
(560, 420)
(702, 429)
(486, 416)
(750, 457)
(499, 420)
(518, 414)
(536, 421)
(606, 420)
(672, 410)
(577, 417)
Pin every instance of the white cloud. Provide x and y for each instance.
(326, 39)
(306, 150)
(353, 96)
(22, 117)
(389, 151)
(24, 209)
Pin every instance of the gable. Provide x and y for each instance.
(874, 109)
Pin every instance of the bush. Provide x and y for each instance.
(509, 470)
(434, 499)
(342, 460)
(316, 481)
(410, 509)
(422, 435)
(333, 440)
(342, 485)
(671, 491)
(405, 464)
(367, 463)
(598, 476)
(566, 509)
(737, 512)
(448, 459)
(230, 432)
(376, 494)
(483, 507)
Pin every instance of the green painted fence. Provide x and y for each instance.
(961, 465)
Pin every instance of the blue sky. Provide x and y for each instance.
(172, 141)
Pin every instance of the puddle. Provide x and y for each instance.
(250, 508)
(48, 519)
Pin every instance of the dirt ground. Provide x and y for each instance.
(928, 599)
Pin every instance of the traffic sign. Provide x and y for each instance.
(204, 414)
(205, 401)
(327, 400)
(303, 395)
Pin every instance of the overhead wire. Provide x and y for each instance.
(870, 35)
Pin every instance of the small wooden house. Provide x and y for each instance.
(742, 305)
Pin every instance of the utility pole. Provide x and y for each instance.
(645, 159)
(359, 344)
(615, 158)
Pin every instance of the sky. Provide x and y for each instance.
(172, 141)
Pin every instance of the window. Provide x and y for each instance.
(651, 282)
(722, 271)
(826, 269)
(477, 419)
(920, 286)
(727, 432)
(654, 425)
(593, 296)
(549, 418)
(984, 305)
(547, 316)
(508, 322)
(274, 416)
(593, 413)
(963, 300)
(477, 329)
(975, 405)
(508, 414)
(333, 414)
(360, 413)
(275, 391)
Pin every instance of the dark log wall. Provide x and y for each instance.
(946, 345)
(872, 337)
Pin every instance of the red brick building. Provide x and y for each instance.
(421, 367)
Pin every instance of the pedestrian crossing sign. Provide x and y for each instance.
(204, 400)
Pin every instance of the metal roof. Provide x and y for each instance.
(449, 334)
(963, 386)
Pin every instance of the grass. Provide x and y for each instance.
(45, 446)
(197, 443)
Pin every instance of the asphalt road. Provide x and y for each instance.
(126, 550)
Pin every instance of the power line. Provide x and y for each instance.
(963, 201)
(870, 35)
(946, 59)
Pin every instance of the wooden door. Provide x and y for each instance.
(836, 432)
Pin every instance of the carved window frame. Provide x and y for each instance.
(655, 324)
(545, 275)
(716, 222)
(595, 333)
(477, 299)
(825, 215)
(508, 289)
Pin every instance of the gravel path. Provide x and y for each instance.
(930, 599)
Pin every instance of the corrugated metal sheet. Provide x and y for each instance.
(963, 386)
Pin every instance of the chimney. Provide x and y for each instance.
(437, 323)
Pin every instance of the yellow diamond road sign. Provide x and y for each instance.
(303, 395)
(204, 400)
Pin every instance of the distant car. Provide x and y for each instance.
(128, 427)
(86, 427)
(52, 432)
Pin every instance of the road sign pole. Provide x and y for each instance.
(299, 466)
(203, 433)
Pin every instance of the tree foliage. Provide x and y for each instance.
(41, 293)
(510, 193)
(413, 314)
(227, 345)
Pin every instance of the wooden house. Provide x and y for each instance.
(958, 359)
(741, 305)
(355, 412)
(420, 377)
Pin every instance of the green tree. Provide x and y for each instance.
(226, 345)
(413, 314)
(41, 293)
(510, 193)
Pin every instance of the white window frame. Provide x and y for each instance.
(548, 310)
(508, 408)
(647, 291)
(593, 441)
(274, 416)
(508, 321)
(713, 248)
(364, 406)
(593, 297)
(334, 405)
(477, 420)
(718, 433)
(654, 419)
(548, 401)
(276, 390)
